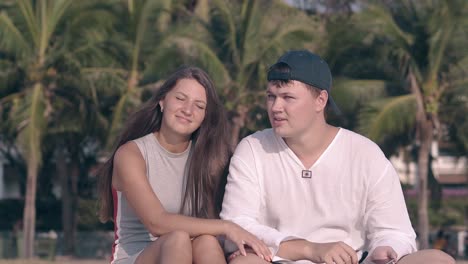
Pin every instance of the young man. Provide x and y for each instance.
(312, 191)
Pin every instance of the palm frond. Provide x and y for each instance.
(8, 77)
(164, 18)
(77, 115)
(350, 94)
(30, 19)
(52, 15)
(224, 23)
(140, 29)
(251, 19)
(202, 10)
(287, 36)
(126, 104)
(102, 83)
(29, 120)
(377, 19)
(440, 39)
(194, 51)
(11, 38)
(388, 117)
(275, 34)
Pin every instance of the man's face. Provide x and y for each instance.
(293, 108)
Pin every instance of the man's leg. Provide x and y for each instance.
(428, 256)
(206, 249)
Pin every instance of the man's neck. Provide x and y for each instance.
(310, 146)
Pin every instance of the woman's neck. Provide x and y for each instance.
(172, 143)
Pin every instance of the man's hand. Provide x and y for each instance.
(383, 255)
(330, 253)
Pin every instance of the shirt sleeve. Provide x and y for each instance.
(386, 215)
(242, 199)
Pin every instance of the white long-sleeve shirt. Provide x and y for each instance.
(353, 195)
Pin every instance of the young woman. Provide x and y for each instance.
(161, 183)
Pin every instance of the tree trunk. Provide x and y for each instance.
(426, 133)
(61, 167)
(32, 148)
(74, 174)
(238, 122)
(29, 214)
(68, 175)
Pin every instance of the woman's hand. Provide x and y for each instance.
(241, 237)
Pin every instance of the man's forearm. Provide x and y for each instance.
(297, 249)
(330, 252)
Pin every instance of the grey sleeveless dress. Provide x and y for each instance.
(165, 171)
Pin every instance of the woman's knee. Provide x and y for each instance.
(177, 239)
(249, 259)
(206, 241)
(427, 256)
(438, 256)
(173, 246)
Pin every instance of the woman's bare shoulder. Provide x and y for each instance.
(129, 165)
(128, 151)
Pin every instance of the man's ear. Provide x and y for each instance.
(322, 99)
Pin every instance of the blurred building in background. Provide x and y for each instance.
(450, 171)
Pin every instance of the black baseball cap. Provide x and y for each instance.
(306, 67)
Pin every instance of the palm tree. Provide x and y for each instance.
(37, 36)
(236, 42)
(72, 134)
(138, 26)
(453, 113)
(425, 39)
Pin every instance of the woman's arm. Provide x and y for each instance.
(129, 177)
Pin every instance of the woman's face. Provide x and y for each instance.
(183, 108)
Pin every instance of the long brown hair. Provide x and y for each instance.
(207, 162)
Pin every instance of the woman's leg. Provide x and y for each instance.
(428, 256)
(173, 247)
(249, 259)
(206, 249)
